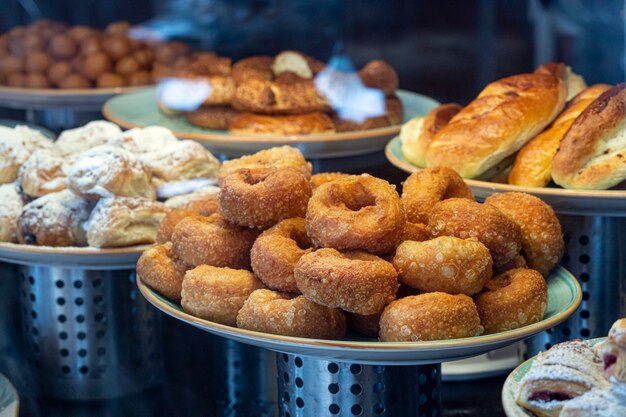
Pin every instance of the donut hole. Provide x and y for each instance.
(301, 239)
(355, 200)
(253, 178)
(497, 283)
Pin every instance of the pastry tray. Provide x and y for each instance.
(564, 296)
(72, 257)
(610, 203)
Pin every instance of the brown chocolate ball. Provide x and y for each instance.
(144, 57)
(16, 79)
(37, 62)
(116, 46)
(80, 32)
(165, 54)
(33, 42)
(120, 27)
(95, 65)
(127, 66)
(139, 78)
(90, 45)
(110, 80)
(62, 46)
(11, 64)
(74, 81)
(58, 71)
(36, 80)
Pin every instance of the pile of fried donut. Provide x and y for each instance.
(278, 95)
(282, 251)
(96, 185)
(49, 54)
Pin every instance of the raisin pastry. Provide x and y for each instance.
(45, 172)
(10, 209)
(106, 171)
(597, 403)
(566, 371)
(55, 219)
(124, 221)
(16, 146)
(81, 139)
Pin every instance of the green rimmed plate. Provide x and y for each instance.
(511, 386)
(9, 401)
(564, 296)
(139, 108)
(575, 202)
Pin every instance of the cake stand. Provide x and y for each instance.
(594, 229)
(362, 377)
(88, 334)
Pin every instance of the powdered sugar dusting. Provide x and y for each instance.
(182, 160)
(596, 403)
(10, 209)
(45, 171)
(144, 140)
(82, 138)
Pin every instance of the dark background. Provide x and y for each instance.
(448, 49)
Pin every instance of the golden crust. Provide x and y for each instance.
(592, 154)
(214, 70)
(276, 252)
(379, 74)
(298, 124)
(159, 270)
(215, 117)
(465, 218)
(425, 188)
(446, 264)
(212, 241)
(201, 207)
(262, 197)
(416, 232)
(356, 213)
(542, 238)
(217, 294)
(278, 313)
(505, 115)
(394, 114)
(514, 299)
(324, 177)
(357, 282)
(431, 316)
(533, 163)
(368, 325)
(277, 157)
(417, 134)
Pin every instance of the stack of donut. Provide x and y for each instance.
(278, 95)
(281, 251)
(96, 185)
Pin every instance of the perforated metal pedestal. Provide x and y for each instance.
(595, 253)
(315, 387)
(89, 334)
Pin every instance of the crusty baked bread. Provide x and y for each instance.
(574, 82)
(124, 221)
(593, 152)
(505, 115)
(417, 134)
(533, 163)
(297, 124)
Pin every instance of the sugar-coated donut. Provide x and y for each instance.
(425, 188)
(279, 313)
(276, 252)
(446, 264)
(464, 218)
(356, 213)
(357, 282)
(262, 197)
(514, 299)
(415, 231)
(431, 316)
(213, 241)
(201, 207)
(368, 325)
(542, 238)
(277, 157)
(217, 294)
(159, 270)
(324, 177)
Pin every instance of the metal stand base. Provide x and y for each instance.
(89, 334)
(314, 387)
(594, 253)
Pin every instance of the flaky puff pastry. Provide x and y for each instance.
(533, 163)
(124, 221)
(614, 353)
(10, 209)
(160, 270)
(106, 171)
(181, 160)
(44, 172)
(217, 294)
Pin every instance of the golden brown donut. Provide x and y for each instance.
(277, 157)
(159, 270)
(464, 218)
(425, 188)
(518, 262)
(446, 264)
(273, 312)
(324, 177)
(514, 299)
(356, 213)
(379, 74)
(431, 316)
(213, 241)
(214, 117)
(357, 282)
(296, 124)
(202, 207)
(262, 197)
(415, 231)
(276, 252)
(542, 238)
(368, 325)
(217, 294)
(393, 116)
